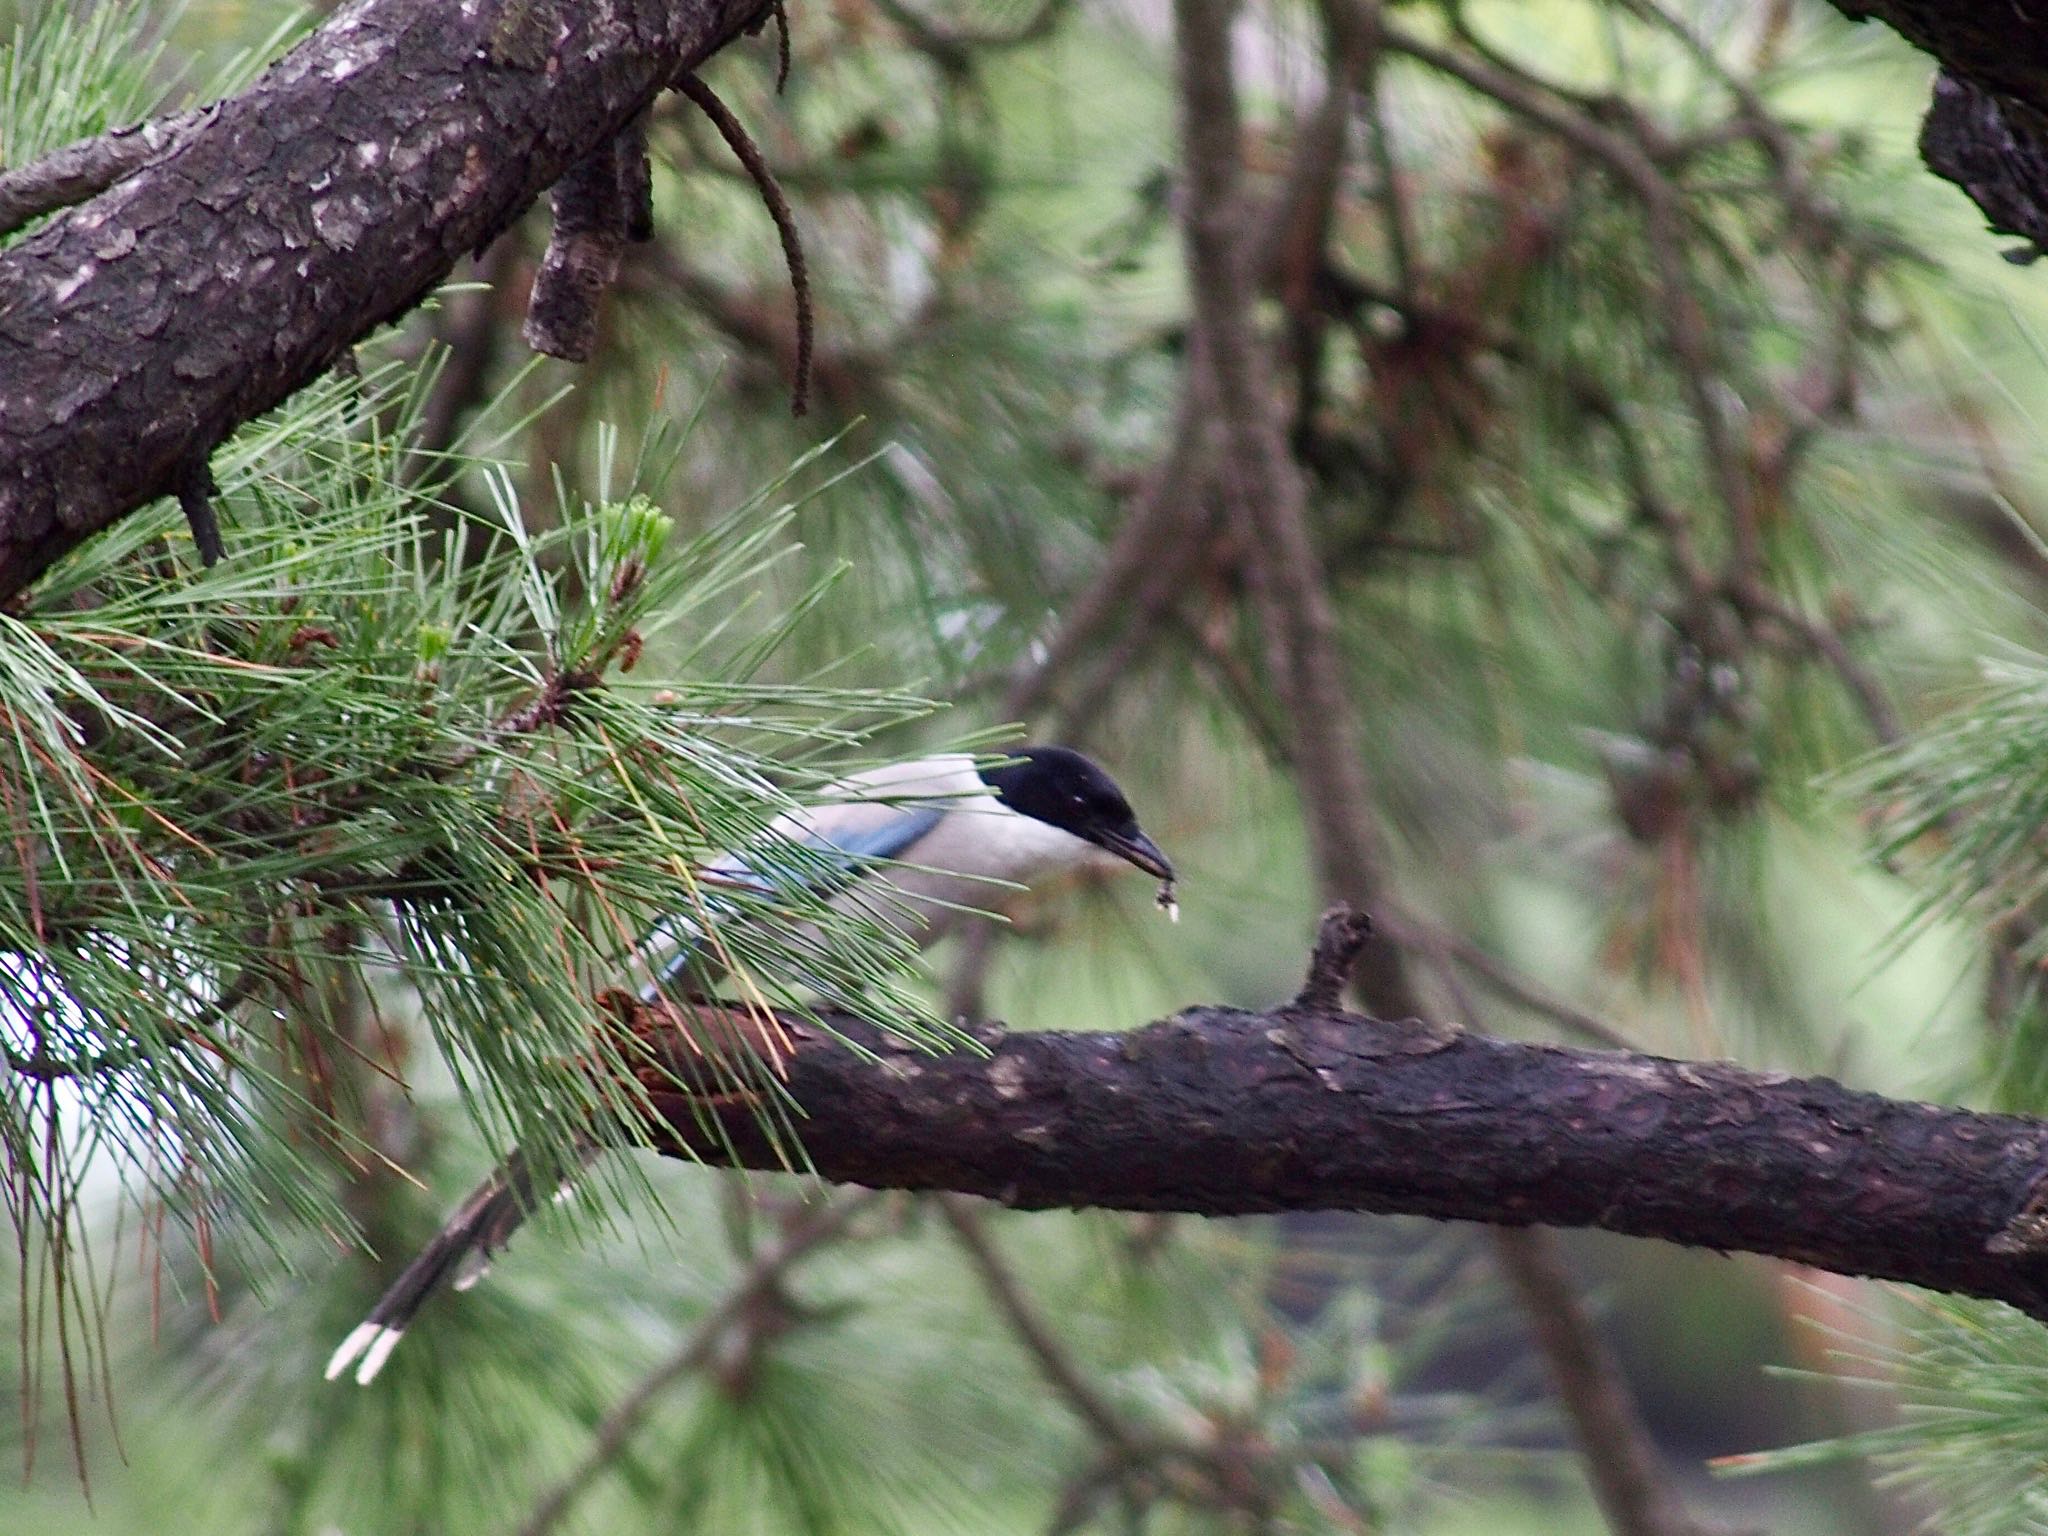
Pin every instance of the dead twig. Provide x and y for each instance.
(749, 155)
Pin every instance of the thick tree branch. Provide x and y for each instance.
(1987, 129)
(140, 328)
(78, 171)
(1989, 40)
(1221, 1112)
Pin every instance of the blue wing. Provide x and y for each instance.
(840, 844)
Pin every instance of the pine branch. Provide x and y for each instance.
(69, 176)
(1987, 126)
(215, 281)
(1225, 1112)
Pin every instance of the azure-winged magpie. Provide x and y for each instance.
(914, 845)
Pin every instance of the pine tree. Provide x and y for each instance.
(1645, 471)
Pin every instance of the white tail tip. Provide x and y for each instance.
(380, 1351)
(374, 1342)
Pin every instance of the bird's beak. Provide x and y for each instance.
(1140, 850)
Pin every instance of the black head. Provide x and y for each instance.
(1062, 788)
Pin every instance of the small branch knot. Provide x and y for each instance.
(2027, 1232)
(602, 201)
(1339, 938)
(196, 491)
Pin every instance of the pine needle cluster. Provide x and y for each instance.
(387, 747)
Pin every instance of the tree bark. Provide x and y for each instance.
(1223, 1112)
(1987, 127)
(138, 330)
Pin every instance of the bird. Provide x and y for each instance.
(917, 845)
